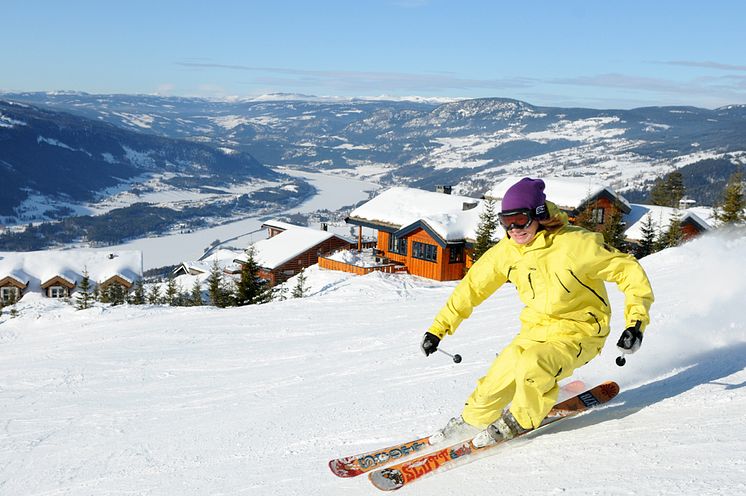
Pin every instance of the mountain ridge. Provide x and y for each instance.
(469, 144)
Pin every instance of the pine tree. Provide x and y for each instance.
(84, 296)
(669, 190)
(300, 290)
(250, 288)
(673, 236)
(732, 209)
(104, 294)
(613, 231)
(485, 229)
(154, 295)
(196, 296)
(138, 295)
(647, 243)
(215, 285)
(172, 292)
(115, 294)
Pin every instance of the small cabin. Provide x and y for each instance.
(12, 287)
(692, 225)
(575, 196)
(56, 273)
(58, 287)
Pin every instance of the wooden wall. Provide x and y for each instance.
(440, 270)
(303, 260)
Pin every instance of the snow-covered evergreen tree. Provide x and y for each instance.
(485, 229)
(196, 295)
(172, 292)
(250, 289)
(300, 290)
(732, 210)
(85, 296)
(647, 243)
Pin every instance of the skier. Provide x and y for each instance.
(559, 271)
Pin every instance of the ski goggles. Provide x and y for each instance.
(515, 219)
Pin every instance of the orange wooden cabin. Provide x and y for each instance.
(429, 233)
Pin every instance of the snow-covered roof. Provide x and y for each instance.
(660, 217)
(275, 251)
(223, 257)
(399, 207)
(279, 224)
(39, 267)
(565, 192)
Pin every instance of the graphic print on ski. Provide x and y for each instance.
(354, 465)
(397, 476)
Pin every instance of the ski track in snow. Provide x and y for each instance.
(255, 400)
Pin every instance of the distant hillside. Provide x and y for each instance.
(470, 144)
(69, 157)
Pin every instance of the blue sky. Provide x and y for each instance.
(598, 54)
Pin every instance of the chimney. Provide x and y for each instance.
(446, 190)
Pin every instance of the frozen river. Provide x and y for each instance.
(333, 194)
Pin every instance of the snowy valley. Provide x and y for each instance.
(153, 400)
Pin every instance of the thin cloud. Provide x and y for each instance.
(364, 80)
(705, 65)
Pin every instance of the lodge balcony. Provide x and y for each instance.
(360, 262)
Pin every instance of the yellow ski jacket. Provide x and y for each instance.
(560, 279)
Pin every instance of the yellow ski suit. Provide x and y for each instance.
(560, 278)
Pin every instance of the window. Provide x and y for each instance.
(57, 292)
(397, 245)
(424, 251)
(9, 294)
(597, 215)
(456, 254)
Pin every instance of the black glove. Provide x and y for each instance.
(430, 343)
(630, 340)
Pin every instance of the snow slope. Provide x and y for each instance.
(255, 400)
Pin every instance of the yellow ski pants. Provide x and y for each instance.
(526, 373)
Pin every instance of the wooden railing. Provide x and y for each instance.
(389, 268)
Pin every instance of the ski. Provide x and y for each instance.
(354, 465)
(401, 474)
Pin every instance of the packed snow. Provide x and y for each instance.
(153, 400)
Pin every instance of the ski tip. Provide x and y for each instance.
(609, 389)
(343, 468)
(387, 479)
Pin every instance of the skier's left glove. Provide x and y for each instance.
(430, 343)
(630, 340)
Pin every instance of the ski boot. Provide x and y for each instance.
(502, 429)
(455, 428)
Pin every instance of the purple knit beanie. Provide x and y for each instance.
(526, 193)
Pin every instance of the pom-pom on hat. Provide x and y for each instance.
(526, 193)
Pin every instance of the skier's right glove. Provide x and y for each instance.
(430, 343)
(630, 340)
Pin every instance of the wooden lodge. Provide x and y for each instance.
(290, 248)
(429, 233)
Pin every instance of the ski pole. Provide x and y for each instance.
(456, 358)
